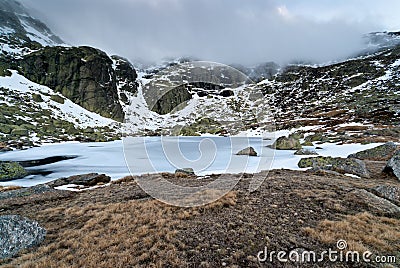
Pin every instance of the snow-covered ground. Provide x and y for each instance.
(207, 155)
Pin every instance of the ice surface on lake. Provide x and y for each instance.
(206, 155)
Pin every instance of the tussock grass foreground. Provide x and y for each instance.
(133, 233)
(363, 232)
(121, 226)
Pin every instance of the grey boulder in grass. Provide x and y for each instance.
(18, 233)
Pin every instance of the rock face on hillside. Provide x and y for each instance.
(19, 28)
(164, 102)
(82, 74)
(125, 74)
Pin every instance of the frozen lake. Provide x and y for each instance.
(206, 155)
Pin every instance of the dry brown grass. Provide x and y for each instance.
(181, 175)
(127, 234)
(9, 188)
(362, 232)
(124, 180)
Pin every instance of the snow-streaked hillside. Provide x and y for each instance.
(17, 85)
(242, 109)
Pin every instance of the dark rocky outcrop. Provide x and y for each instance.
(285, 143)
(11, 171)
(84, 75)
(337, 164)
(167, 100)
(90, 179)
(247, 151)
(379, 153)
(125, 74)
(18, 233)
(393, 165)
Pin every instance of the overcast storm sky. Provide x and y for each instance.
(227, 31)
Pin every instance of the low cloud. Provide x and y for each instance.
(227, 31)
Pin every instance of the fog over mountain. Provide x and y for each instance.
(228, 31)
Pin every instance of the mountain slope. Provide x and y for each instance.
(19, 29)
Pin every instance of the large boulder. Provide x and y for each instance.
(379, 153)
(375, 203)
(393, 165)
(337, 164)
(18, 233)
(285, 143)
(11, 171)
(88, 180)
(247, 151)
(389, 192)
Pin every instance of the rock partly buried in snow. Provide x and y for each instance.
(185, 171)
(247, 151)
(337, 164)
(90, 179)
(17, 233)
(389, 192)
(11, 171)
(379, 153)
(305, 152)
(393, 165)
(284, 143)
